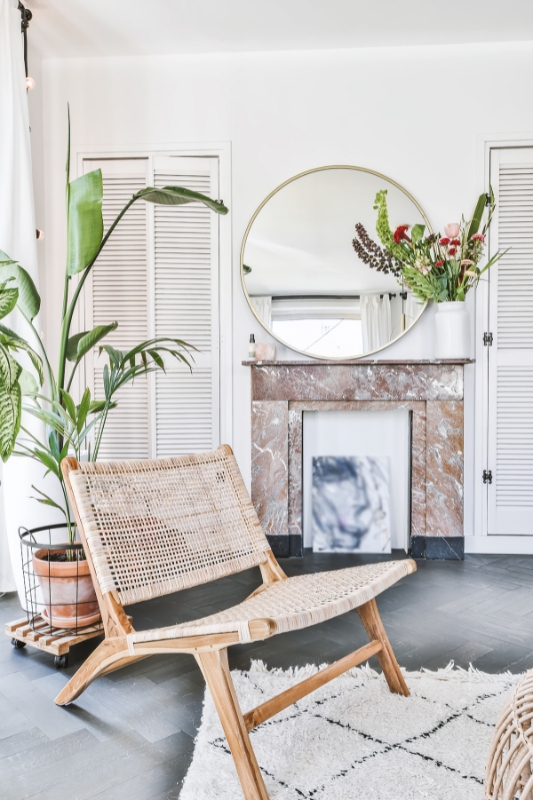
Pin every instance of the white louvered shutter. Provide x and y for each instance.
(158, 276)
(186, 307)
(510, 434)
(120, 293)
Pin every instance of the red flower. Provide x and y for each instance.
(456, 242)
(400, 233)
(452, 251)
(444, 240)
(439, 263)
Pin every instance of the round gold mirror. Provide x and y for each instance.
(306, 282)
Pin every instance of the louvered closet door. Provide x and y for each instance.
(510, 434)
(185, 267)
(119, 291)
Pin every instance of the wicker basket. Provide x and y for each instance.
(509, 775)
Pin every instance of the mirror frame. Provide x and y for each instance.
(245, 238)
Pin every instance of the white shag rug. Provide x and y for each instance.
(352, 739)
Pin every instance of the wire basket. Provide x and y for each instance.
(57, 582)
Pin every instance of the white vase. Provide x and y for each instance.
(452, 330)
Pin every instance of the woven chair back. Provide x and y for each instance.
(154, 527)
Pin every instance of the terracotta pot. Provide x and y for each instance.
(68, 591)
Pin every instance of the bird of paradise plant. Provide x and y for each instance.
(69, 424)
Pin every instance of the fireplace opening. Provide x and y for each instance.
(348, 451)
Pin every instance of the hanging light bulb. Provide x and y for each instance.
(30, 83)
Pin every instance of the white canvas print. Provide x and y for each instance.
(351, 504)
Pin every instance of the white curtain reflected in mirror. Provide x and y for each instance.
(262, 305)
(305, 281)
(376, 323)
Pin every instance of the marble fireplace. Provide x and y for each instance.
(433, 393)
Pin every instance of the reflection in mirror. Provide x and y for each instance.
(318, 283)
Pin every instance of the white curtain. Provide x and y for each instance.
(17, 239)
(413, 308)
(375, 321)
(263, 308)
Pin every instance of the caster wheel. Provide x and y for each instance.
(61, 661)
(18, 645)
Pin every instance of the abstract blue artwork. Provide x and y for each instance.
(351, 504)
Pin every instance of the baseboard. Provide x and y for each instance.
(286, 546)
(438, 548)
(499, 545)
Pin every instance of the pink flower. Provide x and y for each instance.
(478, 237)
(423, 268)
(466, 262)
(452, 229)
(444, 241)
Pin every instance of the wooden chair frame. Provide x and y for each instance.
(211, 654)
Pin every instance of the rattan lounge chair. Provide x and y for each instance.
(154, 527)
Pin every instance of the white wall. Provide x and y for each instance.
(410, 113)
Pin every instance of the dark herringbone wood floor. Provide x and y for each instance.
(130, 736)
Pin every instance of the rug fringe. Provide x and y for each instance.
(449, 673)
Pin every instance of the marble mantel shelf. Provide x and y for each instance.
(355, 362)
(432, 391)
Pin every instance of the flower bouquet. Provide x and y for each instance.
(435, 267)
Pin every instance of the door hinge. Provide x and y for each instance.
(488, 339)
(487, 476)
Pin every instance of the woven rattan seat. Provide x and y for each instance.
(509, 773)
(150, 528)
(293, 603)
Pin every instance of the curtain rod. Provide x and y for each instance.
(403, 295)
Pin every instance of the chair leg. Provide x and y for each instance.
(215, 668)
(374, 627)
(98, 662)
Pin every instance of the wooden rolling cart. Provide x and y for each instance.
(56, 641)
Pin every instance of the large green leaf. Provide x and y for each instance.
(49, 462)
(10, 411)
(10, 402)
(5, 259)
(477, 216)
(417, 232)
(177, 195)
(83, 410)
(68, 404)
(28, 384)
(88, 340)
(9, 368)
(29, 300)
(72, 346)
(8, 301)
(85, 223)
(13, 341)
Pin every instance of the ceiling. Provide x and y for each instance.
(78, 28)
